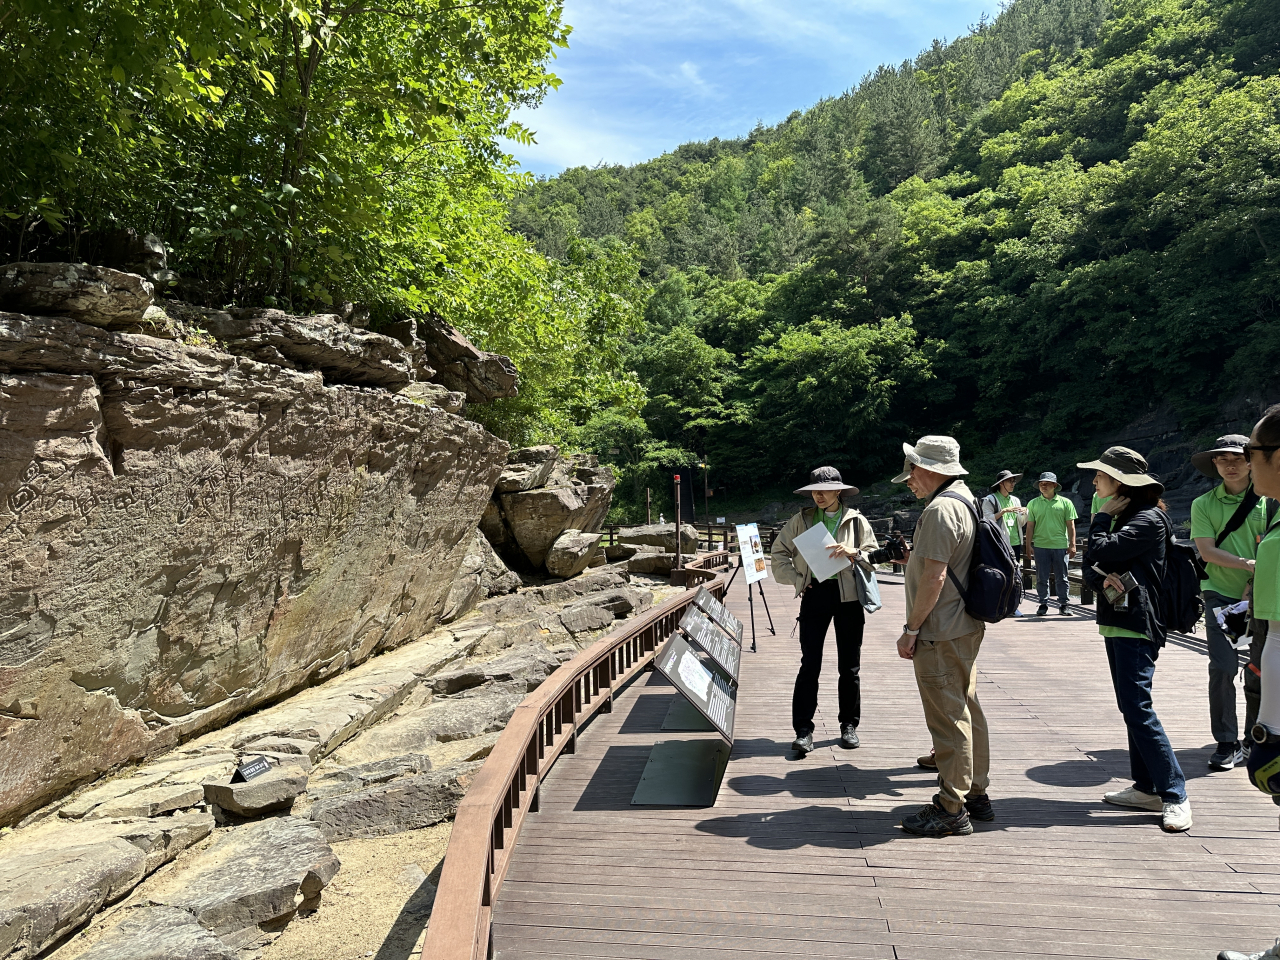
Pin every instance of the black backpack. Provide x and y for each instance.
(1180, 598)
(995, 584)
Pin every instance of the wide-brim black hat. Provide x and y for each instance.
(826, 478)
(1231, 443)
(1002, 476)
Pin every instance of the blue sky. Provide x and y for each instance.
(643, 76)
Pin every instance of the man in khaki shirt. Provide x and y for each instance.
(942, 640)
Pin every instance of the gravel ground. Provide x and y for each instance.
(377, 906)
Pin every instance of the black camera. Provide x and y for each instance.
(895, 548)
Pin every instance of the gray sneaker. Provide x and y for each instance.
(1267, 954)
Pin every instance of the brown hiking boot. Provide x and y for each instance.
(927, 762)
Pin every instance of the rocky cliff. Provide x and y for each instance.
(190, 531)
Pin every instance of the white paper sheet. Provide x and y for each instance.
(813, 544)
(695, 675)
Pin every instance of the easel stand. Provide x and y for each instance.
(751, 588)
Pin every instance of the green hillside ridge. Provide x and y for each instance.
(1026, 238)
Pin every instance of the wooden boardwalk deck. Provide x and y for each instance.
(805, 857)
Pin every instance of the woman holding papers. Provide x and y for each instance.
(830, 535)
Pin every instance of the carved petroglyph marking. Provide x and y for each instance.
(22, 498)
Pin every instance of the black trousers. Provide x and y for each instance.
(819, 606)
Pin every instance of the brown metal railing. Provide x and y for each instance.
(505, 791)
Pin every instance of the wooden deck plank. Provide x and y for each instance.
(805, 858)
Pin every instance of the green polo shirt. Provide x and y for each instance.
(1209, 514)
(1051, 518)
(1098, 504)
(1266, 578)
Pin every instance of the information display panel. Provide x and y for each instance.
(711, 639)
(706, 689)
(718, 613)
(752, 552)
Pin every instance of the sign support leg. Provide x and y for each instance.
(767, 613)
(752, 605)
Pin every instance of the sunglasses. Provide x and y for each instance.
(1251, 448)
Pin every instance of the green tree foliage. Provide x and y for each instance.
(305, 153)
(1075, 204)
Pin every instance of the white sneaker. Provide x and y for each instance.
(1133, 797)
(1264, 955)
(1176, 817)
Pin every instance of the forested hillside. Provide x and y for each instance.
(1025, 237)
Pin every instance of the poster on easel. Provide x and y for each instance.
(753, 565)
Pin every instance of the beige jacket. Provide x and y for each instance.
(853, 532)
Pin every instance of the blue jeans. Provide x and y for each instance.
(1152, 764)
(1051, 564)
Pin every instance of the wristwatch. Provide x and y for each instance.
(906, 628)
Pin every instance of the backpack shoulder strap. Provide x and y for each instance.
(973, 507)
(1237, 519)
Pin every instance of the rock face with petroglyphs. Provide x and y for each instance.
(189, 532)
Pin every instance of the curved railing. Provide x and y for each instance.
(544, 726)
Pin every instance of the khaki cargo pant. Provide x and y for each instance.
(947, 675)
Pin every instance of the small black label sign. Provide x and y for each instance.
(254, 768)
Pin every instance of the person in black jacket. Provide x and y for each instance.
(1128, 536)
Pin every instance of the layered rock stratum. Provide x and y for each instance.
(191, 531)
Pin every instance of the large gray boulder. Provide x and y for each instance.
(159, 933)
(460, 366)
(655, 564)
(151, 802)
(189, 534)
(527, 467)
(274, 790)
(48, 890)
(661, 535)
(482, 575)
(539, 497)
(95, 295)
(408, 804)
(55, 876)
(571, 553)
(255, 878)
(324, 343)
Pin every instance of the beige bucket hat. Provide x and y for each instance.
(1127, 466)
(939, 454)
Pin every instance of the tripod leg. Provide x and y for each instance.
(732, 575)
(751, 603)
(767, 613)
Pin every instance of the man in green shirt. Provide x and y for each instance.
(1229, 562)
(1051, 531)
